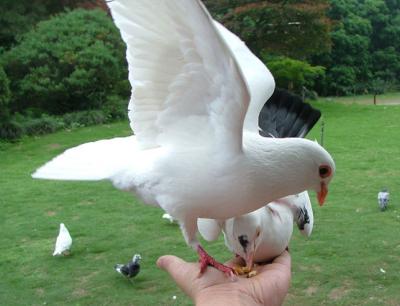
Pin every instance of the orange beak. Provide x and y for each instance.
(322, 194)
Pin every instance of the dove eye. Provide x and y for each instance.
(324, 171)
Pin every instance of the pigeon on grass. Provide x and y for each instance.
(197, 91)
(63, 242)
(131, 269)
(383, 199)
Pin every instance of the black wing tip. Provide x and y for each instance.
(287, 115)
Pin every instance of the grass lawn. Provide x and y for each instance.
(340, 264)
(390, 98)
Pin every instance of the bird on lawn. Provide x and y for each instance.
(265, 233)
(383, 199)
(131, 269)
(197, 91)
(63, 242)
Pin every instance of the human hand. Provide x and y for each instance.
(268, 287)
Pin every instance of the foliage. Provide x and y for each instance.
(293, 74)
(19, 17)
(70, 62)
(4, 94)
(10, 130)
(296, 28)
(366, 47)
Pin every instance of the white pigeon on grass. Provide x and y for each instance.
(63, 242)
(197, 91)
(265, 233)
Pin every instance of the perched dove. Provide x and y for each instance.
(263, 234)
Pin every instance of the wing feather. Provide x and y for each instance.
(185, 80)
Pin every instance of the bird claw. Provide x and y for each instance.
(206, 260)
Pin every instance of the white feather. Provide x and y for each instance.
(63, 242)
(193, 154)
(274, 222)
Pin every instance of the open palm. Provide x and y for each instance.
(268, 287)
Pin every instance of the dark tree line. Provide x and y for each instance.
(357, 42)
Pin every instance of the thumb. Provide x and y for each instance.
(183, 273)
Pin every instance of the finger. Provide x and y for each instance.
(183, 273)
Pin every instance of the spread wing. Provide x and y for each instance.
(186, 85)
(258, 78)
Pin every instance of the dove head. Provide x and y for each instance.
(247, 235)
(284, 166)
(62, 227)
(308, 166)
(326, 170)
(136, 258)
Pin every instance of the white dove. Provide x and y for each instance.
(197, 91)
(63, 242)
(265, 233)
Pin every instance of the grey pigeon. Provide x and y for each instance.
(383, 199)
(131, 269)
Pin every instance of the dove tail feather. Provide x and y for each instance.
(90, 161)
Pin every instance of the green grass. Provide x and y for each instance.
(338, 265)
(389, 98)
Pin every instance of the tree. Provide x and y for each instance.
(293, 74)
(5, 94)
(73, 61)
(366, 46)
(19, 17)
(296, 28)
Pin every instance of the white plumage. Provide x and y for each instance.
(197, 91)
(265, 233)
(63, 242)
(168, 217)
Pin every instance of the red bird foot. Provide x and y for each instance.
(206, 260)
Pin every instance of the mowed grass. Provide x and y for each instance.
(389, 98)
(340, 264)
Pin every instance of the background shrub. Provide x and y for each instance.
(43, 125)
(5, 94)
(10, 130)
(70, 62)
